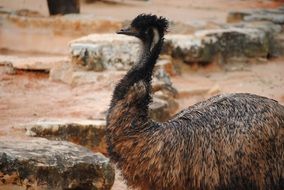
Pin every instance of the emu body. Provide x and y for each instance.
(233, 141)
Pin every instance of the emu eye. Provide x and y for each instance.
(146, 31)
(149, 31)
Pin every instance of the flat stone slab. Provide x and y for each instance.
(205, 46)
(88, 133)
(105, 52)
(275, 16)
(32, 63)
(91, 133)
(272, 15)
(254, 36)
(116, 52)
(44, 164)
(271, 21)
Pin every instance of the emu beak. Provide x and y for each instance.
(128, 31)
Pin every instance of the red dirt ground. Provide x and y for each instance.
(27, 96)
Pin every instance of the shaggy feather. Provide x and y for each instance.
(145, 21)
(233, 141)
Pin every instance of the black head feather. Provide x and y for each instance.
(145, 21)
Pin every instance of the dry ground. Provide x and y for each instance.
(27, 96)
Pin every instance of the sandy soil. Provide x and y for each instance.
(27, 96)
(178, 10)
(194, 12)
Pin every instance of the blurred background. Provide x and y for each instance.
(60, 61)
(41, 20)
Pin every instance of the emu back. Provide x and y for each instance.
(233, 141)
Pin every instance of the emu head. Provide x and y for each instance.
(148, 28)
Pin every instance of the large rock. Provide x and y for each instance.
(220, 45)
(270, 21)
(91, 133)
(268, 27)
(273, 15)
(100, 52)
(237, 16)
(71, 74)
(115, 52)
(32, 63)
(191, 48)
(279, 50)
(253, 38)
(104, 52)
(162, 108)
(272, 31)
(78, 75)
(44, 164)
(88, 133)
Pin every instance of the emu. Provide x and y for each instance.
(233, 141)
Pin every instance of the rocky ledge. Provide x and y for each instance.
(88, 133)
(249, 35)
(57, 165)
(112, 52)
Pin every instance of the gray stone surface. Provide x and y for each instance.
(73, 75)
(32, 63)
(279, 50)
(159, 109)
(273, 15)
(162, 107)
(6, 68)
(190, 48)
(268, 27)
(219, 45)
(270, 21)
(237, 16)
(104, 52)
(88, 133)
(57, 165)
(116, 52)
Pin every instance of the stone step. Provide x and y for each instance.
(105, 52)
(88, 133)
(38, 63)
(252, 37)
(279, 39)
(272, 15)
(219, 45)
(271, 21)
(114, 52)
(44, 164)
(91, 133)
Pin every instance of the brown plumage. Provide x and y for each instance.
(233, 141)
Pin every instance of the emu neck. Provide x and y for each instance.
(131, 97)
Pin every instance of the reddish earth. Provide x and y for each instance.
(27, 96)
(181, 10)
